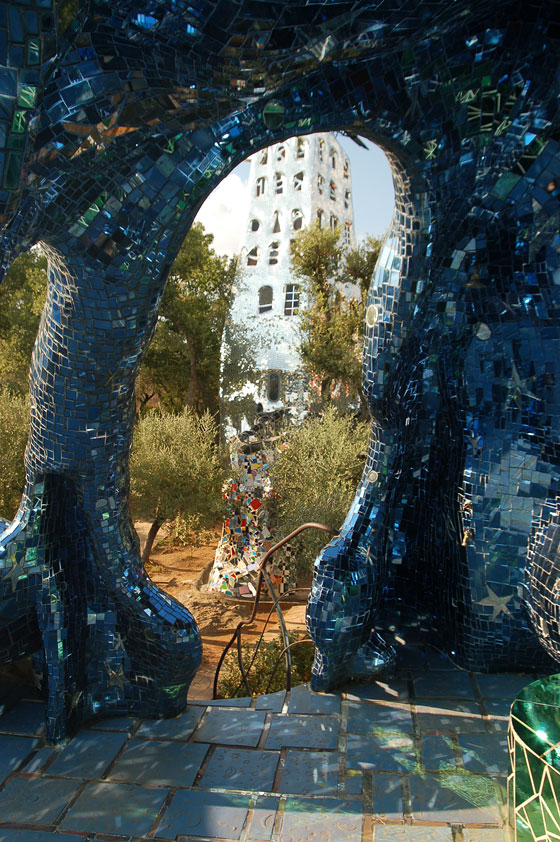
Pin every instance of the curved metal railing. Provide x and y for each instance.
(276, 599)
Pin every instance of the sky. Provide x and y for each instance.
(224, 213)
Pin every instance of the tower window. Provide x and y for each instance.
(346, 199)
(276, 223)
(346, 168)
(332, 191)
(273, 390)
(320, 217)
(273, 253)
(253, 256)
(320, 183)
(297, 220)
(333, 158)
(333, 221)
(280, 152)
(291, 300)
(298, 180)
(347, 232)
(263, 157)
(265, 299)
(254, 225)
(321, 150)
(278, 182)
(260, 185)
(300, 150)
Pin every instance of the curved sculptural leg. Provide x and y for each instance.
(112, 641)
(460, 482)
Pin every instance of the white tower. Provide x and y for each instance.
(293, 184)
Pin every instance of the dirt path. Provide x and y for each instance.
(176, 571)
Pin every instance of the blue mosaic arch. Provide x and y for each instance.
(114, 133)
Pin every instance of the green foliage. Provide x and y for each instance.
(176, 468)
(182, 363)
(269, 659)
(22, 297)
(332, 324)
(315, 479)
(14, 430)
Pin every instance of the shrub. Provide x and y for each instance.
(176, 469)
(14, 431)
(315, 479)
(267, 674)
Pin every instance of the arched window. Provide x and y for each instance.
(278, 182)
(273, 253)
(276, 223)
(297, 220)
(347, 233)
(333, 158)
(332, 191)
(347, 199)
(254, 225)
(253, 256)
(346, 168)
(291, 300)
(333, 221)
(321, 150)
(300, 149)
(260, 185)
(273, 389)
(320, 217)
(280, 152)
(265, 299)
(298, 180)
(320, 183)
(264, 156)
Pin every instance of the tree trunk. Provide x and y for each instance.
(153, 531)
(326, 389)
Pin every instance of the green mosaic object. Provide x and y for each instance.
(534, 747)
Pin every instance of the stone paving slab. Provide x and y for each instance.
(453, 798)
(115, 808)
(406, 833)
(88, 755)
(35, 800)
(159, 762)
(379, 717)
(303, 731)
(241, 768)
(304, 700)
(374, 763)
(443, 685)
(310, 773)
(179, 728)
(305, 820)
(13, 752)
(263, 819)
(382, 752)
(27, 718)
(239, 728)
(450, 717)
(213, 814)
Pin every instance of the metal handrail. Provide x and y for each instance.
(236, 637)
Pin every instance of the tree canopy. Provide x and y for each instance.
(332, 323)
(182, 363)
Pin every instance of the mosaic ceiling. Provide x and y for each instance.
(117, 120)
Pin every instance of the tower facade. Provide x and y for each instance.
(294, 184)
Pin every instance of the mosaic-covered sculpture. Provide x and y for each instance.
(113, 134)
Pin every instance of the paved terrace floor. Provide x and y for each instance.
(419, 758)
